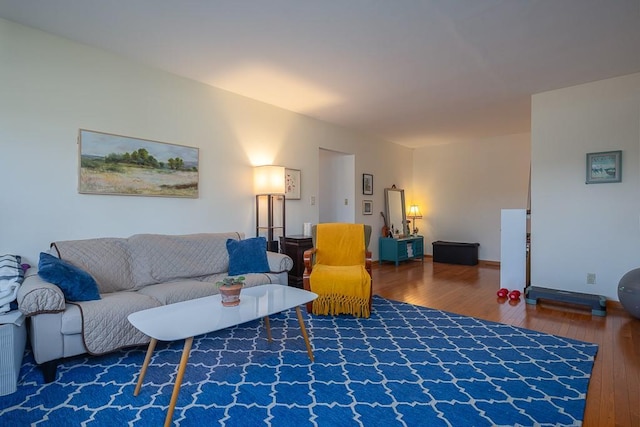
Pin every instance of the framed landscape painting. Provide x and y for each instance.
(122, 165)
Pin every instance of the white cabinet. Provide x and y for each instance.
(513, 248)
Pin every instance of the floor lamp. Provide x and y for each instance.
(269, 188)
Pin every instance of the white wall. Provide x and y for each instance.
(51, 87)
(461, 189)
(577, 228)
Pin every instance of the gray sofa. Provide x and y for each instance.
(132, 274)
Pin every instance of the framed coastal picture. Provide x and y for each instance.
(292, 184)
(604, 167)
(123, 165)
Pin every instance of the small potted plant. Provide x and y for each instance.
(230, 288)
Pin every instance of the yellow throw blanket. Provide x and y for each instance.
(339, 276)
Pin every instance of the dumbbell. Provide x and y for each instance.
(502, 293)
(514, 295)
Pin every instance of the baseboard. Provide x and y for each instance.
(486, 263)
(481, 262)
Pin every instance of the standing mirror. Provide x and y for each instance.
(395, 212)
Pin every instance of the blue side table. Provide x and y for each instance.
(402, 249)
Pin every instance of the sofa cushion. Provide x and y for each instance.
(178, 291)
(105, 325)
(250, 279)
(184, 290)
(106, 259)
(71, 320)
(247, 256)
(161, 258)
(75, 283)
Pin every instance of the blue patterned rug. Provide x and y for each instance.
(404, 366)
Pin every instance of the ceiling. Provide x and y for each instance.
(414, 72)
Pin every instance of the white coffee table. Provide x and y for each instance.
(185, 320)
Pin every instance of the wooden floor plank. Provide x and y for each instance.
(613, 398)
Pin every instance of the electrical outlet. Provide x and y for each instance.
(312, 200)
(591, 278)
(346, 202)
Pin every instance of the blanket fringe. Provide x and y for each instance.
(341, 304)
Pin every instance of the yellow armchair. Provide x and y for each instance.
(338, 269)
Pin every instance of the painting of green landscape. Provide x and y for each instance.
(121, 165)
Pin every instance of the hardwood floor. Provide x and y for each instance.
(613, 398)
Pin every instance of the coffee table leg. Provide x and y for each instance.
(304, 333)
(176, 386)
(145, 365)
(268, 326)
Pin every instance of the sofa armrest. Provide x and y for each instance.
(36, 295)
(279, 263)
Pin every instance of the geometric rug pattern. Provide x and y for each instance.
(404, 366)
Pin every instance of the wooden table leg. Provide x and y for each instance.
(304, 333)
(145, 365)
(179, 376)
(268, 326)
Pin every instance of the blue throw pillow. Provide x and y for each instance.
(247, 256)
(75, 283)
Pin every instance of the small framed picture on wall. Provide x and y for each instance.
(292, 184)
(367, 207)
(367, 184)
(604, 167)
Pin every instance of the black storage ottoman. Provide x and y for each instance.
(455, 253)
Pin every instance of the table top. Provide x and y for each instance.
(202, 315)
(298, 237)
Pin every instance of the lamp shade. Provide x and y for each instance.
(414, 212)
(268, 179)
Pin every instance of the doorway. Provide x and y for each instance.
(336, 186)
